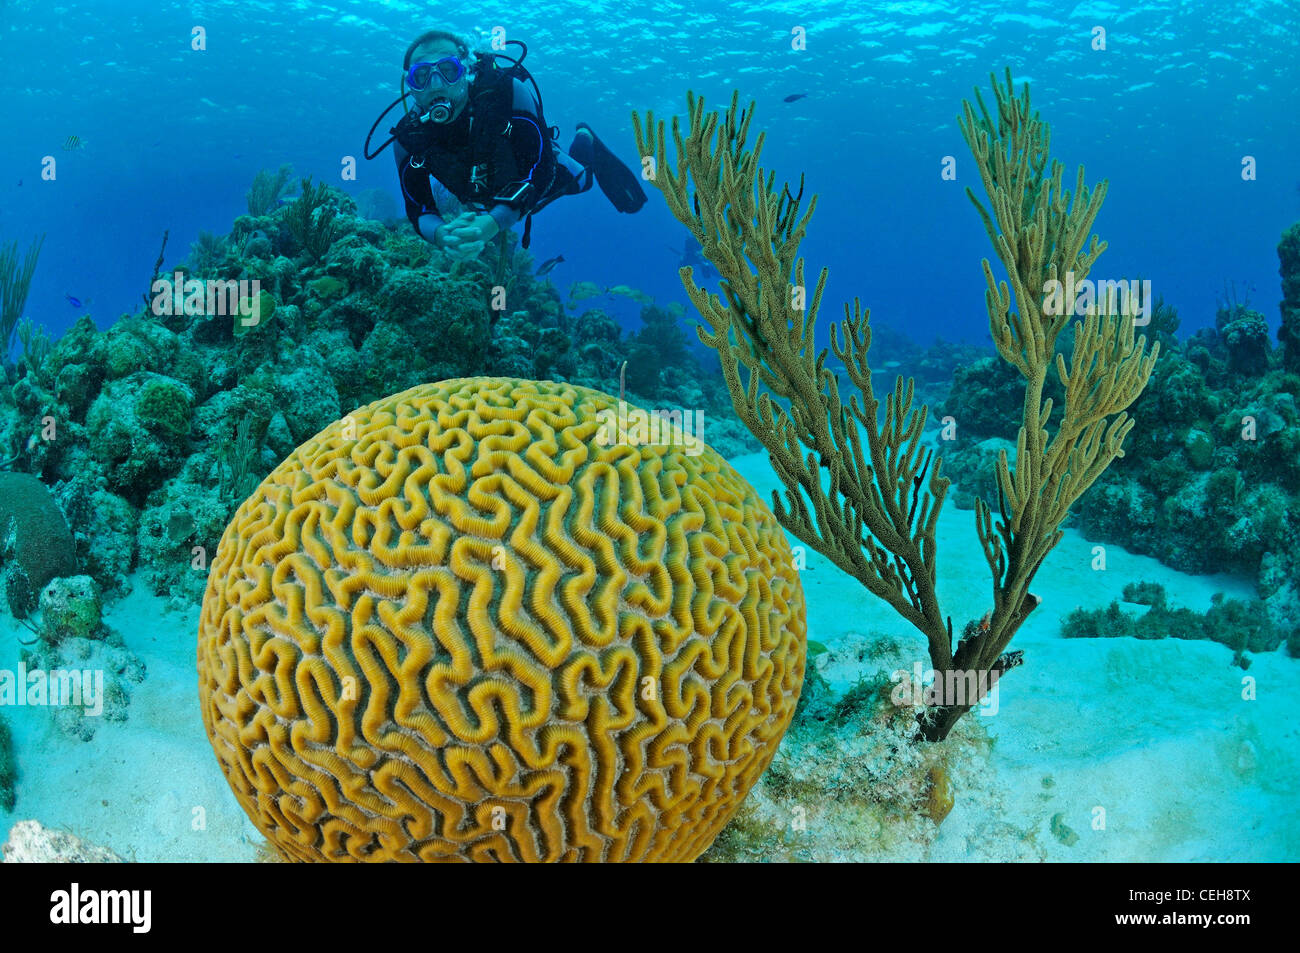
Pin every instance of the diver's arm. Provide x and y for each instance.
(427, 225)
(504, 216)
(424, 218)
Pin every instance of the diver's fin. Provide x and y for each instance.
(617, 181)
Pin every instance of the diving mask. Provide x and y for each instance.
(449, 69)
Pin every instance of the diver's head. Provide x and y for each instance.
(437, 71)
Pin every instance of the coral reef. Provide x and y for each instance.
(1213, 480)
(1240, 625)
(151, 432)
(35, 543)
(8, 767)
(106, 530)
(1288, 333)
(877, 520)
(484, 620)
(1245, 338)
(986, 399)
(139, 429)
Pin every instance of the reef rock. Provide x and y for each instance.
(71, 607)
(1288, 333)
(31, 842)
(1246, 339)
(139, 428)
(35, 542)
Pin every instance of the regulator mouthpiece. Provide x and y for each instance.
(439, 112)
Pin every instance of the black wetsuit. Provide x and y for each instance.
(497, 156)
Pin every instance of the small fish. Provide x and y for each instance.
(548, 266)
(626, 291)
(794, 97)
(75, 302)
(582, 290)
(74, 144)
(287, 199)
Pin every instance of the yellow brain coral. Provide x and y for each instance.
(463, 623)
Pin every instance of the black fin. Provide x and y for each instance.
(617, 181)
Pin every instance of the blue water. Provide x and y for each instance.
(1166, 112)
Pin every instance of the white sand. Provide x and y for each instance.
(1156, 734)
(141, 786)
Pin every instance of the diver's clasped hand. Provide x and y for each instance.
(466, 235)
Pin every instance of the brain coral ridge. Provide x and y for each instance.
(460, 624)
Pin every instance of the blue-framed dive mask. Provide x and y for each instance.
(449, 69)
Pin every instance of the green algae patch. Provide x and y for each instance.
(328, 288)
(254, 312)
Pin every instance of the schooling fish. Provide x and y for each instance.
(76, 303)
(794, 97)
(548, 266)
(626, 291)
(582, 290)
(74, 144)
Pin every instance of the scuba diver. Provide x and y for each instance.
(692, 255)
(474, 154)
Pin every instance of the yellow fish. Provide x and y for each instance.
(626, 291)
(580, 290)
(74, 144)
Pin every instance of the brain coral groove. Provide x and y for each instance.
(460, 625)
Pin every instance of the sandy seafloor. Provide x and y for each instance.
(1155, 733)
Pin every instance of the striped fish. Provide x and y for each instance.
(74, 144)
